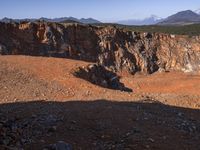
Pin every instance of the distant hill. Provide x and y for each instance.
(181, 18)
(63, 19)
(89, 21)
(82, 20)
(147, 21)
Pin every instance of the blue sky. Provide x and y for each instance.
(104, 10)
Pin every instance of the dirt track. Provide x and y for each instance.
(161, 113)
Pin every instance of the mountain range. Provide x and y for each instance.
(62, 19)
(180, 18)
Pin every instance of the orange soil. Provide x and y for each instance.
(93, 117)
(172, 88)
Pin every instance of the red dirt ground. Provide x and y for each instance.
(120, 120)
(174, 88)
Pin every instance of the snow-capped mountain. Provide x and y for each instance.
(197, 11)
(153, 19)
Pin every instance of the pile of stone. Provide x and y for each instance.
(101, 76)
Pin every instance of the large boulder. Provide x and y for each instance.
(101, 76)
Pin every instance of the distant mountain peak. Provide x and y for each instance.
(187, 12)
(153, 19)
(182, 18)
(89, 20)
(197, 11)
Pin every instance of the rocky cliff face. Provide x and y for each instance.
(114, 48)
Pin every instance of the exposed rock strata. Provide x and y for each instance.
(111, 47)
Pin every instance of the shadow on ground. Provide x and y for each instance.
(99, 125)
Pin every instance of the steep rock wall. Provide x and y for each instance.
(114, 48)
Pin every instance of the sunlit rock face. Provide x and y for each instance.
(114, 48)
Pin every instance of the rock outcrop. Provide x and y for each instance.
(101, 76)
(111, 47)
